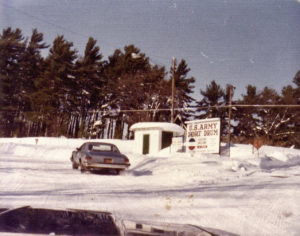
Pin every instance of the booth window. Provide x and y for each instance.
(166, 139)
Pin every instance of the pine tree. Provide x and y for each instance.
(12, 47)
(90, 89)
(296, 81)
(213, 99)
(287, 134)
(211, 105)
(269, 118)
(31, 67)
(294, 139)
(183, 89)
(56, 88)
(125, 73)
(247, 119)
(156, 92)
(271, 124)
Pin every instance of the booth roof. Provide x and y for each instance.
(164, 126)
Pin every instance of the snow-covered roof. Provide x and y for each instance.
(164, 126)
(98, 122)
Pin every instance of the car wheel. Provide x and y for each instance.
(74, 166)
(118, 172)
(82, 168)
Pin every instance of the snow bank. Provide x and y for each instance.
(242, 160)
(54, 147)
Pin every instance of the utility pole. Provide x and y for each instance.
(173, 88)
(230, 87)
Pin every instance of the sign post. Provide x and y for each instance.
(203, 135)
(177, 144)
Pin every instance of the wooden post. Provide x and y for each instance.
(173, 89)
(229, 117)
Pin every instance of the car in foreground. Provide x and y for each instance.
(27, 220)
(99, 156)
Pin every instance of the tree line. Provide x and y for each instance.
(66, 94)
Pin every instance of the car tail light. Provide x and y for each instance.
(126, 160)
(88, 158)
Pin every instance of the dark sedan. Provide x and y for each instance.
(99, 156)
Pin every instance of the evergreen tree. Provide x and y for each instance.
(274, 125)
(247, 118)
(134, 84)
(296, 81)
(90, 92)
(12, 47)
(125, 72)
(156, 90)
(31, 67)
(55, 98)
(213, 99)
(288, 131)
(268, 117)
(183, 89)
(295, 138)
(211, 105)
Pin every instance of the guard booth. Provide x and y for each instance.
(151, 137)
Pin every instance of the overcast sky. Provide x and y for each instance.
(240, 42)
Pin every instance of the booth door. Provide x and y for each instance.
(146, 143)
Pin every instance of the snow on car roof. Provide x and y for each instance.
(99, 143)
(164, 126)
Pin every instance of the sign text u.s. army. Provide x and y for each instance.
(203, 135)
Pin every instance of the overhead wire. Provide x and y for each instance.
(77, 33)
(195, 108)
(42, 20)
(51, 23)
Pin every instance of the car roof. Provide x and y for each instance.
(100, 143)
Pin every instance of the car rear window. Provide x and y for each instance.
(101, 148)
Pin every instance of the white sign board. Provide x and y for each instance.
(203, 135)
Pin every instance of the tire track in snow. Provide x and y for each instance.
(266, 211)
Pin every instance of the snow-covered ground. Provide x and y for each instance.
(244, 194)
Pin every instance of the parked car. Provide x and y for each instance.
(99, 156)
